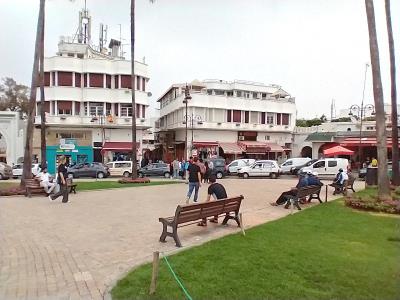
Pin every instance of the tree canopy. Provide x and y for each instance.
(13, 96)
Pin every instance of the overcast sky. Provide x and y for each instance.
(315, 49)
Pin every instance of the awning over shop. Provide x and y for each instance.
(205, 144)
(117, 146)
(256, 147)
(231, 148)
(365, 142)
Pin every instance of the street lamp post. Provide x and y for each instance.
(192, 118)
(360, 112)
(186, 99)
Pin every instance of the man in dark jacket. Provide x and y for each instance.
(285, 196)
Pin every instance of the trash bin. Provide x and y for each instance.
(371, 177)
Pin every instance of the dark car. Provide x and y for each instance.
(295, 170)
(219, 167)
(88, 170)
(155, 169)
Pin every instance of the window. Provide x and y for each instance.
(53, 78)
(108, 81)
(254, 117)
(80, 56)
(239, 94)
(263, 96)
(255, 95)
(229, 93)
(122, 165)
(64, 78)
(237, 116)
(257, 166)
(138, 78)
(64, 107)
(263, 118)
(267, 137)
(70, 55)
(96, 80)
(143, 84)
(108, 109)
(229, 115)
(268, 165)
(285, 119)
(77, 108)
(332, 163)
(278, 119)
(270, 118)
(46, 79)
(288, 163)
(116, 81)
(126, 82)
(78, 79)
(70, 135)
(143, 111)
(247, 95)
(209, 92)
(319, 164)
(234, 164)
(126, 110)
(85, 79)
(96, 108)
(246, 116)
(219, 92)
(137, 110)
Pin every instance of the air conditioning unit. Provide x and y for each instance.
(237, 124)
(142, 120)
(241, 138)
(63, 117)
(219, 123)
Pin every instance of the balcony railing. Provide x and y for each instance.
(93, 121)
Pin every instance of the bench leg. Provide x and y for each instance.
(175, 236)
(228, 217)
(164, 233)
(74, 189)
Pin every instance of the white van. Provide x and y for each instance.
(120, 168)
(234, 166)
(327, 167)
(260, 168)
(293, 162)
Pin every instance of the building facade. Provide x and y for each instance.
(228, 119)
(88, 102)
(12, 136)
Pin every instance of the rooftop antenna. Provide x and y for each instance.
(84, 26)
(120, 40)
(333, 109)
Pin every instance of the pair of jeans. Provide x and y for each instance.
(193, 186)
(63, 192)
(176, 173)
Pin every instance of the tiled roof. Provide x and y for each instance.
(320, 137)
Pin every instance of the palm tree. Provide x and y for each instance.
(134, 145)
(383, 180)
(27, 167)
(42, 100)
(395, 133)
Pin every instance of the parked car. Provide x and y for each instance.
(261, 168)
(287, 166)
(155, 169)
(234, 166)
(5, 171)
(17, 170)
(327, 167)
(121, 168)
(295, 170)
(88, 170)
(219, 167)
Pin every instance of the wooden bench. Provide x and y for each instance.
(348, 184)
(313, 191)
(192, 213)
(32, 186)
(71, 185)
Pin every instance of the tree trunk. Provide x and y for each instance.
(27, 167)
(134, 146)
(395, 131)
(42, 101)
(383, 180)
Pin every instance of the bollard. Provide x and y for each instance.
(154, 275)
(326, 193)
(241, 223)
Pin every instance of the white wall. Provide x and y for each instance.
(12, 130)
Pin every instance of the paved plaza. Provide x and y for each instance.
(79, 250)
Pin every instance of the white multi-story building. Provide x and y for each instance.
(88, 100)
(230, 119)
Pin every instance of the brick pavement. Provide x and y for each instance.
(78, 250)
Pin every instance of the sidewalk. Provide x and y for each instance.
(78, 250)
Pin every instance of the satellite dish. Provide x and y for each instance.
(149, 94)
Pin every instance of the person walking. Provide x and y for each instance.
(194, 180)
(175, 167)
(207, 174)
(217, 191)
(62, 181)
(202, 167)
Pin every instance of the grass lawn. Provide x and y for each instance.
(100, 185)
(326, 252)
(7, 185)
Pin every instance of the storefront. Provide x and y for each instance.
(260, 150)
(113, 151)
(205, 150)
(73, 153)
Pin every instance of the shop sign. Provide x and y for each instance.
(67, 146)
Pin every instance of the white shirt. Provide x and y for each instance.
(44, 177)
(344, 177)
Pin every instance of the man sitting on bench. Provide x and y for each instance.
(286, 196)
(44, 178)
(217, 191)
(340, 181)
